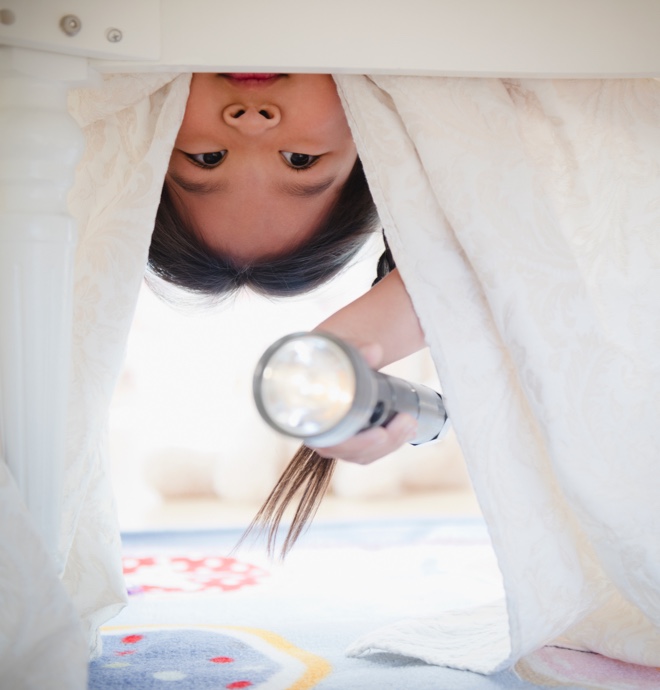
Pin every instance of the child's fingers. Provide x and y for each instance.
(374, 443)
(372, 353)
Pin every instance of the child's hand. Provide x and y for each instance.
(377, 442)
(374, 443)
(383, 315)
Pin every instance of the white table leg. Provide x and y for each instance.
(39, 147)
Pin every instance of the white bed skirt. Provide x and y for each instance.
(524, 217)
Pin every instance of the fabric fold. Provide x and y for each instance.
(129, 123)
(473, 639)
(524, 218)
(38, 618)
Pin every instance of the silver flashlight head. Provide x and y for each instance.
(315, 387)
(318, 388)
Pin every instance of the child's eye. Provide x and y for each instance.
(299, 161)
(207, 160)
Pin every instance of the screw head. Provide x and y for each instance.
(114, 35)
(7, 17)
(70, 24)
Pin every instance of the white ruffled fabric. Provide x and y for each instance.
(524, 216)
(129, 124)
(40, 635)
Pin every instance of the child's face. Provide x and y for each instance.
(264, 191)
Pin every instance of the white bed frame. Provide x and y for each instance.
(47, 46)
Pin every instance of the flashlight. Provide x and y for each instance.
(318, 388)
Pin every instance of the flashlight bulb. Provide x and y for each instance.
(307, 385)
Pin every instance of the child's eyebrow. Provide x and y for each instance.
(299, 189)
(302, 189)
(198, 187)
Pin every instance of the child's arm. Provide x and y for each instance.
(383, 325)
(383, 316)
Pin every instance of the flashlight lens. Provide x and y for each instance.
(308, 386)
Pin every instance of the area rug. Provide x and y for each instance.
(202, 615)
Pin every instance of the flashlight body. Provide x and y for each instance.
(395, 395)
(375, 398)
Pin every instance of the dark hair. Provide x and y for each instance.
(306, 477)
(178, 256)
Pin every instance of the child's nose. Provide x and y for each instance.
(251, 119)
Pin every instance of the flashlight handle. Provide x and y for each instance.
(396, 395)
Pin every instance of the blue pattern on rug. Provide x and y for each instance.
(187, 660)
